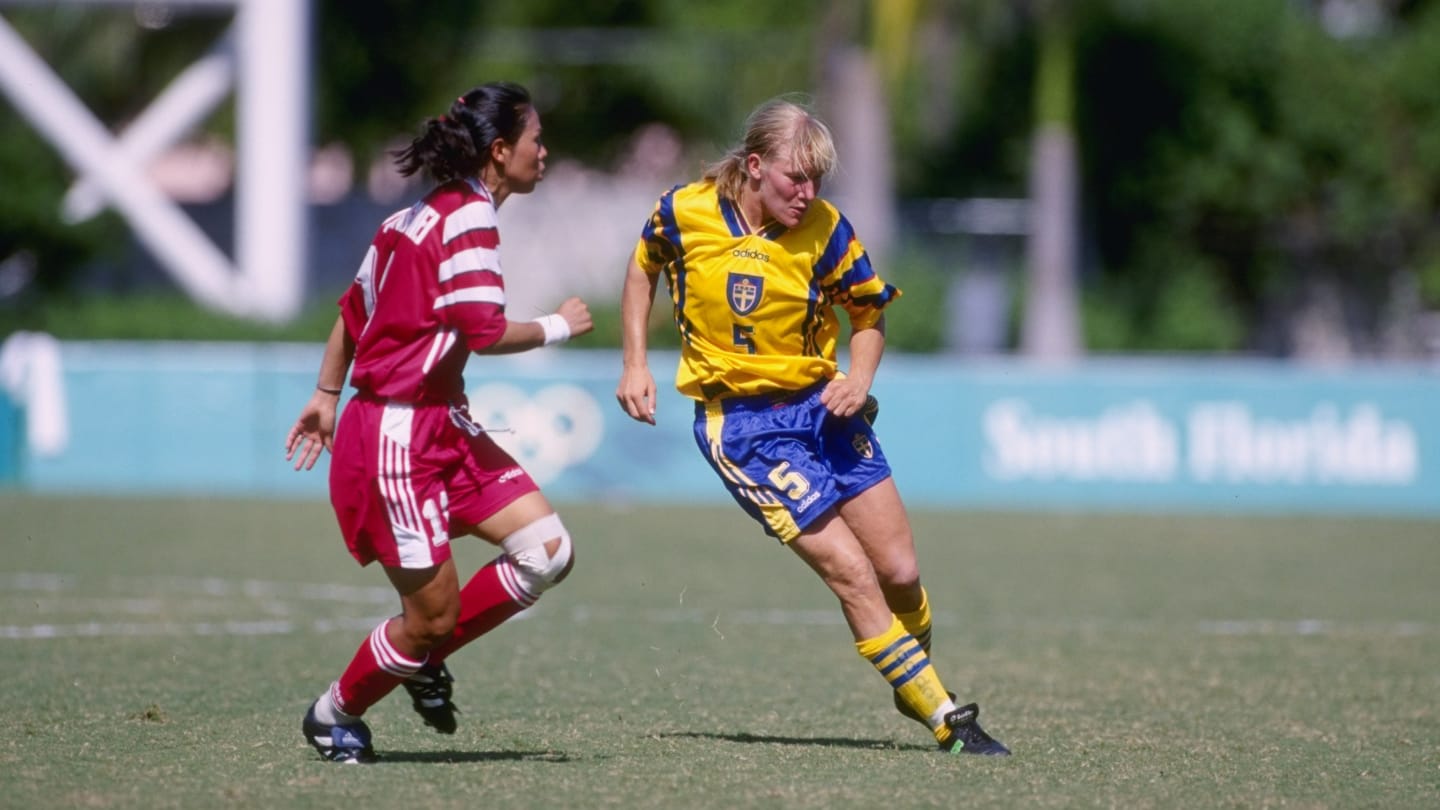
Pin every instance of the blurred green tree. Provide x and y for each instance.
(1257, 160)
(1238, 161)
(599, 69)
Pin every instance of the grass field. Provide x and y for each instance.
(160, 653)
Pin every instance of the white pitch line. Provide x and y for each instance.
(1309, 627)
(277, 595)
(199, 586)
(582, 614)
(142, 629)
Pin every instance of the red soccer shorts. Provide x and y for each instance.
(405, 478)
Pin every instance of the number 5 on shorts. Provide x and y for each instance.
(791, 482)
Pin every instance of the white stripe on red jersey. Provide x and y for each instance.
(474, 260)
(492, 295)
(439, 347)
(429, 291)
(478, 215)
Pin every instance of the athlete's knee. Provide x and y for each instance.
(426, 631)
(903, 579)
(437, 631)
(541, 553)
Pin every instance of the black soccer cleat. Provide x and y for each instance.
(967, 737)
(430, 692)
(341, 743)
(904, 708)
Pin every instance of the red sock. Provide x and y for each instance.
(487, 600)
(376, 669)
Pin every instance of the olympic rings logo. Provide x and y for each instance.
(559, 427)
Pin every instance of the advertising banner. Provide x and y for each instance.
(1216, 436)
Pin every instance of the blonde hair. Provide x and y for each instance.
(779, 126)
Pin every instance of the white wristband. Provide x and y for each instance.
(556, 329)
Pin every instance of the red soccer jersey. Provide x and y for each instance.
(428, 293)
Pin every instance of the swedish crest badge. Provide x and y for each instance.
(862, 445)
(745, 291)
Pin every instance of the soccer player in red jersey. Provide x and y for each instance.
(410, 470)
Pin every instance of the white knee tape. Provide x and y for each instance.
(538, 571)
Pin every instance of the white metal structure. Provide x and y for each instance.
(265, 57)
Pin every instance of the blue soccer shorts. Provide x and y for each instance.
(785, 459)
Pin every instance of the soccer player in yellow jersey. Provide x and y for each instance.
(758, 268)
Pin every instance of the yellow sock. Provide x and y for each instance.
(898, 656)
(917, 621)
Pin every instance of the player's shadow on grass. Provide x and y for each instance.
(457, 757)
(829, 742)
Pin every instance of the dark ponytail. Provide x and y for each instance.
(457, 145)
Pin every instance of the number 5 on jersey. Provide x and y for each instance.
(745, 338)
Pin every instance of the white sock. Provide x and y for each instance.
(328, 713)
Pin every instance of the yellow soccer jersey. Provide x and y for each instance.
(756, 311)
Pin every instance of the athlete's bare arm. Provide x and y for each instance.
(636, 392)
(522, 336)
(845, 396)
(315, 427)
